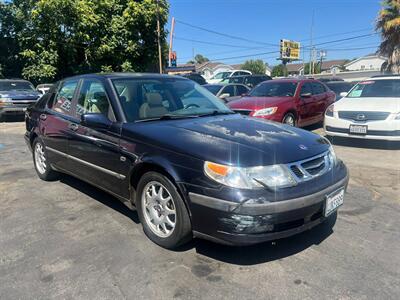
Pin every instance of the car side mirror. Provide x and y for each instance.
(225, 95)
(343, 94)
(306, 95)
(95, 120)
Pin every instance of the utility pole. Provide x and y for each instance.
(322, 54)
(171, 39)
(311, 43)
(158, 38)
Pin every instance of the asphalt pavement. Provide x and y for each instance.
(68, 240)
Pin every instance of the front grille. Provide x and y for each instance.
(363, 115)
(312, 167)
(245, 112)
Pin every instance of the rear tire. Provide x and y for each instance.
(41, 162)
(162, 212)
(289, 119)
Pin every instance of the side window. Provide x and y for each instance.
(306, 89)
(229, 90)
(93, 99)
(63, 99)
(241, 90)
(318, 88)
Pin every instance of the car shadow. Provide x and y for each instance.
(12, 118)
(245, 255)
(100, 196)
(364, 143)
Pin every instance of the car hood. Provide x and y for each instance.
(368, 104)
(231, 139)
(20, 95)
(253, 103)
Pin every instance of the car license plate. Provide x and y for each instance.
(333, 201)
(358, 129)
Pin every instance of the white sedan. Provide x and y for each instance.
(371, 110)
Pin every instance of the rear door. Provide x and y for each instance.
(94, 153)
(55, 121)
(321, 99)
(306, 104)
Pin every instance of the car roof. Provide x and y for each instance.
(14, 80)
(294, 80)
(125, 75)
(383, 77)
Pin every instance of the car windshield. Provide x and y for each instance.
(16, 86)
(164, 98)
(274, 89)
(213, 88)
(376, 88)
(221, 75)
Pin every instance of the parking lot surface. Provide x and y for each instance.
(66, 239)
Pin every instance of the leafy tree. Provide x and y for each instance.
(59, 38)
(388, 23)
(198, 59)
(317, 68)
(278, 71)
(255, 66)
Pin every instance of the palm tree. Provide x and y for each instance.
(388, 24)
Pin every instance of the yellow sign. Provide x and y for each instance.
(290, 50)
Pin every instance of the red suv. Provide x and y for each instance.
(297, 102)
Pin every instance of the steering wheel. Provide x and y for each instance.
(191, 105)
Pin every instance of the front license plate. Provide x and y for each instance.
(333, 201)
(358, 129)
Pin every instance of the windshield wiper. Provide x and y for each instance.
(217, 113)
(168, 117)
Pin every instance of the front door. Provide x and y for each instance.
(54, 123)
(94, 153)
(306, 105)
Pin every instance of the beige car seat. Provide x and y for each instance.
(153, 106)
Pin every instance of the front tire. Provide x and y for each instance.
(162, 212)
(41, 162)
(289, 119)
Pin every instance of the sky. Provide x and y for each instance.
(255, 28)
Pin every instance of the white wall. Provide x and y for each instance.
(366, 63)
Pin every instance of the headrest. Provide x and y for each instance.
(153, 99)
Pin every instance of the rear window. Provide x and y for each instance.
(376, 88)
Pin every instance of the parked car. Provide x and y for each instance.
(187, 163)
(44, 88)
(15, 96)
(296, 102)
(330, 78)
(371, 110)
(227, 74)
(196, 77)
(228, 92)
(339, 87)
(249, 80)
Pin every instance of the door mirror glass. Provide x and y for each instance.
(95, 120)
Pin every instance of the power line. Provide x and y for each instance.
(224, 34)
(211, 43)
(335, 34)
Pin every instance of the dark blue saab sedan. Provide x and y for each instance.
(190, 166)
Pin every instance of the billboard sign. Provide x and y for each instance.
(290, 50)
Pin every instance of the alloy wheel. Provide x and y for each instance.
(158, 209)
(40, 158)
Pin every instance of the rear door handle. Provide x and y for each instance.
(43, 117)
(73, 126)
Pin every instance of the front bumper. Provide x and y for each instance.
(388, 130)
(244, 224)
(13, 110)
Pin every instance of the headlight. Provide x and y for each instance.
(274, 176)
(329, 111)
(397, 116)
(5, 100)
(265, 111)
(332, 156)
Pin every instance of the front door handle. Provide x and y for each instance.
(43, 117)
(73, 126)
